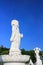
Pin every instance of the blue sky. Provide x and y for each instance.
(29, 13)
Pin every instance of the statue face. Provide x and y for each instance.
(14, 23)
(37, 51)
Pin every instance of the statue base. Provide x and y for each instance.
(14, 59)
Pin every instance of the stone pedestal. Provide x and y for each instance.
(14, 63)
(14, 59)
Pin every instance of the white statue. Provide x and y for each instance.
(30, 63)
(38, 60)
(15, 37)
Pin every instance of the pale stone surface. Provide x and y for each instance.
(38, 60)
(14, 58)
(15, 38)
(14, 63)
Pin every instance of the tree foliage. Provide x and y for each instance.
(31, 53)
(3, 50)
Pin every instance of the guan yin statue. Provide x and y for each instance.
(15, 37)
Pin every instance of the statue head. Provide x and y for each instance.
(37, 50)
(15, 22)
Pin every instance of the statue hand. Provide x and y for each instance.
(21, 35)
